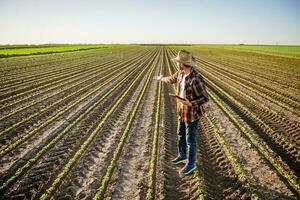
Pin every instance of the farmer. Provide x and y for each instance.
(191, 87)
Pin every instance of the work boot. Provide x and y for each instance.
(187, 169)
(178, 160)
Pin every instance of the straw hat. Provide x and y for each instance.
(185, 57)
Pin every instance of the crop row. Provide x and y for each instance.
(90, 78)
(45, 70)
(288, 102)
(50, 118)
(71, 125)
(95, 87)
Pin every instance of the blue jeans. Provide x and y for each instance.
(187, 138)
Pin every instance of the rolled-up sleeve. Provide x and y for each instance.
(199, 88)
(171, 79)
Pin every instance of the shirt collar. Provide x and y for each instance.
(192, 70)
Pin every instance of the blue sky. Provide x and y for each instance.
(164, 21)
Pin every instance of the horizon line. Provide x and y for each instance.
(134, 43)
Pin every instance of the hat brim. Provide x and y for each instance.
(191, 63)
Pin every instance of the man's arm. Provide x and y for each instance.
(168, 79)
(200, 89)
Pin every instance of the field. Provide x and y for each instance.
(23, 50)
(279, 50)
(94, 124)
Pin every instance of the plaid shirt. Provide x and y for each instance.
(194, 90)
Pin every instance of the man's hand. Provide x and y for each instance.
(186, 102)
(158, 77)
